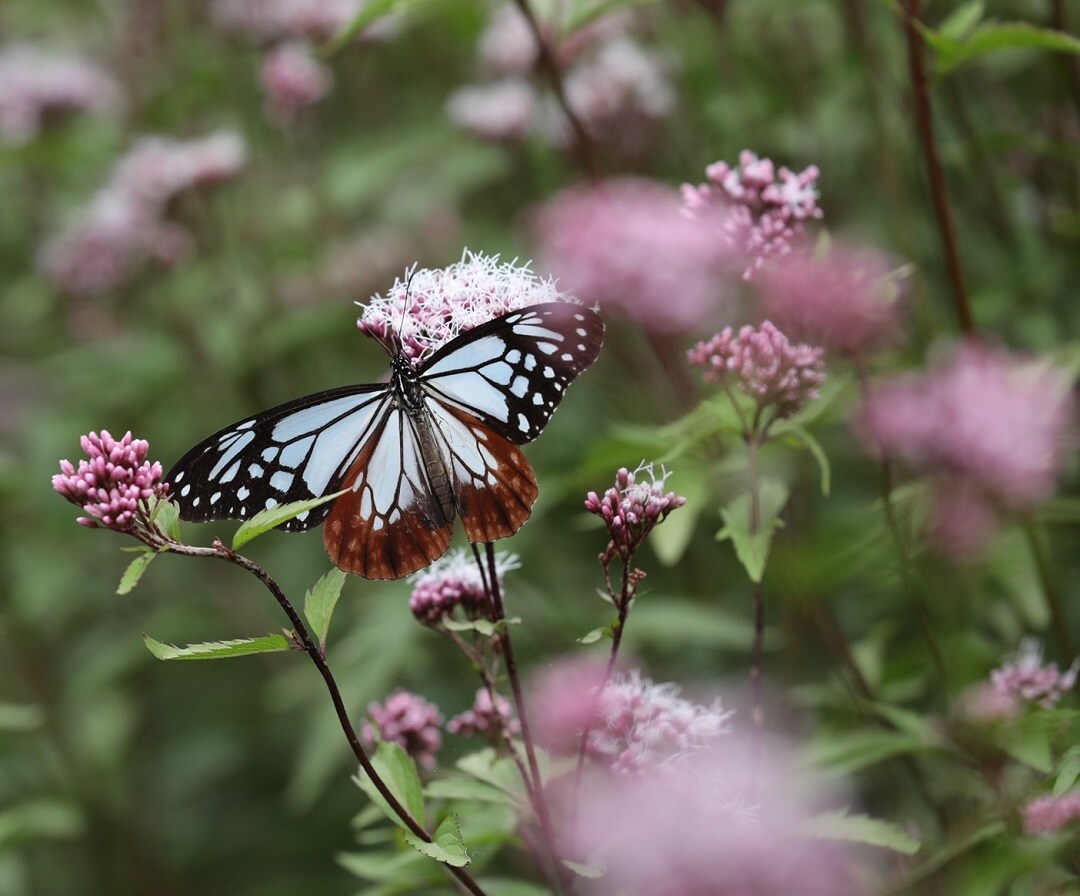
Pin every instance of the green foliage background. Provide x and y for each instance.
(123, 775)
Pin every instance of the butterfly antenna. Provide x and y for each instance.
(405, 305)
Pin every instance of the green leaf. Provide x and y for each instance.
(839, 825)
(134, 571)
(389, 867)
(991, 37)
(398, 772)
(466, 789)
(166, 515)
(447, 845)
(485, 627)
(1068, 771)
(319, 603)
(505, 886)
(962, 20)
(752, 545)
(217, 650)
(592, 637)
(369, 13)
(1028, 741)
(490, 768)
(42, 819)
(20, 717)
(670, 539)
(266, 520)
(803, 437)
(950, 851)
(857, 750)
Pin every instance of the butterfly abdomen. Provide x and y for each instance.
(434, 466)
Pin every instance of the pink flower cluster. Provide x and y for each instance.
(725, 821)
(1046, 815)
(487, 719)
(626, 244)
(617, 88)
(114, 485)
(429, 307)
(125, 222)
(408, 720)
(271, 20)
(764, 211)
(634, 506)
(633, 724)
(992, 429)
(763, 364)
(842, 300)
(292, 79)
(35, 85)
(1025, 679)
(453, 582)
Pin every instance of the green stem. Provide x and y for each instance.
(1041, 554)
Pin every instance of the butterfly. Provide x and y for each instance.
(438, 441)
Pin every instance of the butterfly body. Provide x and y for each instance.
(438, 442)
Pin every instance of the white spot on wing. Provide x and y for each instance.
(229, 455)
(520, 386)
(230, 474)
(292, 455)
(242, 493)
(281, 480)
(184, 491)
(255, 471)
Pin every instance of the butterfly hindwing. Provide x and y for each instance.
(292, 452)
(389, 523)
(511, 372)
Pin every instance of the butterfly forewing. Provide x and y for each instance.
(292, 452)
(511, 372)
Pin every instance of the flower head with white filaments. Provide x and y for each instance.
(454, 581)
(428, 307)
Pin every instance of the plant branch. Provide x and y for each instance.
(1050, 592)
(925, 125)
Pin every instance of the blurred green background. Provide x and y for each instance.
(123, 775)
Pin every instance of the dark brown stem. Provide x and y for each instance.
(303, 637)
(550, 66)
(924, 122)
(1069, 60)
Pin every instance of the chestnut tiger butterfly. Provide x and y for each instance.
(438, 441)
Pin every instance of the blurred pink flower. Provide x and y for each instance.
(35, 85)
(115, 484)
(507, 46)
(1046, 815)
(633, 725)
(1024, 678)
(984, 703)
(625, 243)
(486, 718)
(315, 20)
(124, 223)
(633, 507)
(979, 417)
(452, 582)
(445, 302)
(842, 301)
(764, 211)
(763, 364)
(408, 720)
(726, 821)
(504, 110)
(292, 79)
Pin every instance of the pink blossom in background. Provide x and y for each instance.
(292, 79)
(984, 703)
(633, 507)
(725, 821)
(442, 303)
(454, 582)
(114, 484)
(633, 725)
(272, 20)
(842, 301)
(763, 364)
(962, 520)
(36, 84)
(487, 718)
(763, 211)
(503, 110)
(626, 244)
(620, 92)
(507, 46)
(124, 223)
(978, 418)
(1046, 815)
(1025, 678)
(408, 720)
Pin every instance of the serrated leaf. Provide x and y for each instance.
(804, 438)
(592, 637)
(398, 772)
(166, 515)
(992, 37)
(218, 650)
(839, 825)
(447, 846)
(319, 603)
(490, 768)
(1068, 771)
(752, 543)
(266, 520)
(134, 572)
